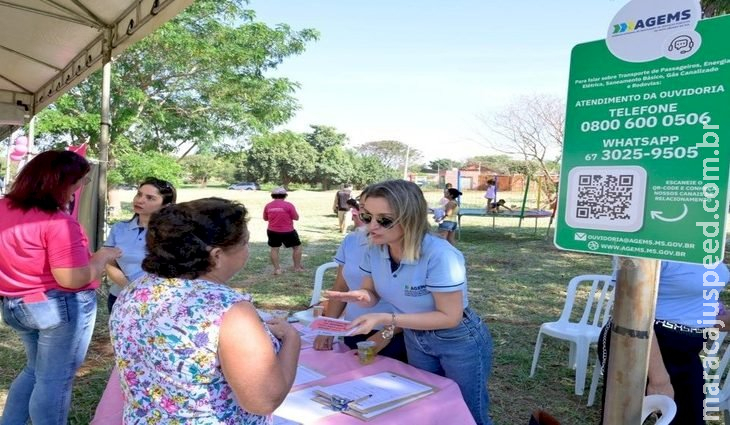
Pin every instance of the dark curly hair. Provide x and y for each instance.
(180, 236)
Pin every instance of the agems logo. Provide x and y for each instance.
(666, 29)
(651, 22)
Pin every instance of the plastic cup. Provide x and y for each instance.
(317, 311)
(366, 352)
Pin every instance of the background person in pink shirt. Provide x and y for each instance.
(281, 215)
(47, 285)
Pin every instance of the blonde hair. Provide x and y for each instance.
(410, 210)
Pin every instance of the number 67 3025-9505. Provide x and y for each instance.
(678, 152)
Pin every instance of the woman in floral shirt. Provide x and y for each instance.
(190, 349)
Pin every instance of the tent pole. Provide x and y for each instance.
(633, 325)
(104, 136)
(31, 137)
(6, 179)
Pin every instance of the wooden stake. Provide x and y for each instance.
(633, 320)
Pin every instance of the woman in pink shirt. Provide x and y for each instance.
(47, 285)
(281, 216)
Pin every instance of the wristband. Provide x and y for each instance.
(389, 330)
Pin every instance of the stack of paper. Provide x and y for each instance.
(375, 394)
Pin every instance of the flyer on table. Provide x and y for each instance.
(645, 159)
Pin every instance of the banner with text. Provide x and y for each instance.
(645, 160)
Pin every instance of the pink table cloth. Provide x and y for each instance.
(445, 406)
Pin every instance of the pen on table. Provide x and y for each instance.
(363, 398)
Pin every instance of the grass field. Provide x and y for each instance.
(517, 281)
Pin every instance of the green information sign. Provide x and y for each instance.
(645, 157)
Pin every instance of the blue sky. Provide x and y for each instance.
(422, 72)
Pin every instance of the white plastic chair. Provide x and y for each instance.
(718, 377)
(583, 333)
(305, 317)
(658, 403)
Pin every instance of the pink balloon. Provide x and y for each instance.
(21, 141)
(15, 157)
(19, 150)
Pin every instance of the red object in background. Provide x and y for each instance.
(20, 148)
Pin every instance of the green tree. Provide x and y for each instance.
(324, 137)
(196, 80)
(370, 169)
(392, 153)
(441, 164)
(133, 168)
(282, 158)
(201, 167)
(332, 165)
(235, 167)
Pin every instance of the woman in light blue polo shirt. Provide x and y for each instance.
(424, 278)
(130, 235)
(350, 276)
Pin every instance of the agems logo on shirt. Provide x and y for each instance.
(415, 290)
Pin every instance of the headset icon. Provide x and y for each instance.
(683, 44)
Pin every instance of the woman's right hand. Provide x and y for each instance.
(323, 342)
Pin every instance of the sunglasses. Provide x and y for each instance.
(384, 222)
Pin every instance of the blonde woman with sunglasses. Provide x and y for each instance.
(424, 278)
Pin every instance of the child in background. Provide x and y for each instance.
(491, 194)
(445, 200)
(495, 206)
(355, 211)
(448, 224)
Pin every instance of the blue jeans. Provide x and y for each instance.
(56, 334)
(447, 226)
(463, 354)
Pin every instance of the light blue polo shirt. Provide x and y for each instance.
(683, 291)
(349, 255)
(128, 236)
(409, 289)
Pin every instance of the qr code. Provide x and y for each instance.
(606, 198)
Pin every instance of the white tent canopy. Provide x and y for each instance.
(49, 46)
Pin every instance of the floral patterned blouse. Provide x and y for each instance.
(165, 337)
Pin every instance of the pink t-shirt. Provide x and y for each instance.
(281, 215)
(34, 242)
